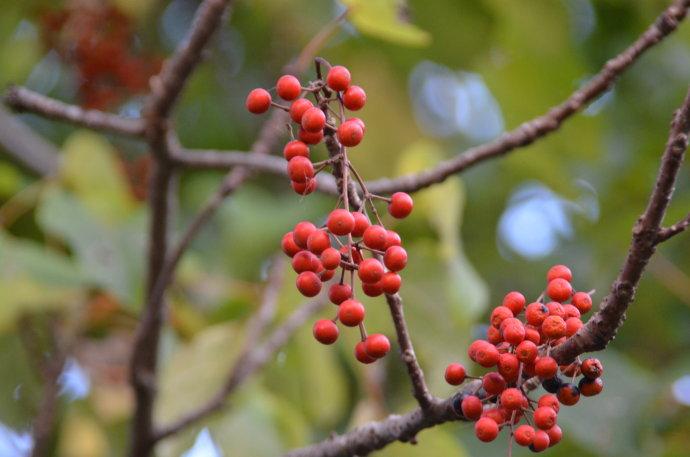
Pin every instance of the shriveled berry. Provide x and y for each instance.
(395, 258)
(524, 435)
(514, 301)
(304, 188)
(540, 442)
(370, 271)
(582, 301)
(536, 313)
(512, 399)
(545, 417)
(310, 137)
(300, 169)
(375, 237)
(499, 314)
(493, 383)
(549, 400)
(377, 345)
(471, 407)
(318, 241)
(313, 120)
(555, 435)
(340, 222)
(258, 101)
(401, 205)
(559, 271)
(298, 108)
(288, 87)
(590, 387)
(486, 429)
(361, 224)
(455, 374)
(301, 233)
(338, 293)
(592, 368)
(390, 282)
(288, 245)
(551, 385)
(325, 331)
(330, 258)
(308, 283)
(568, 394)
(526, 352)
(351, 312)
(553, 327)
(546, 367)
(354, 98)
(338, 78)
(350, 134)
(361, 353)
(559, 289)
(295, 148)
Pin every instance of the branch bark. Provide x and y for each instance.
(539, 127)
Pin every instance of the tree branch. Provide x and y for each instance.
(667, 232)
(541, 126)
(27, 148)
(23, 99)
(603, 326)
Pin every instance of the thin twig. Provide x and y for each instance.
(541, 126)
(667, 232)
(27, 148)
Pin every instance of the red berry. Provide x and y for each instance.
(592, 368)
(359, 121)
(308, 283)
(514, 301)
(310, 137)
(300, 169)
(288, 245)
(375, 237)
(318, 241)
(559, 271)
(487, 355)
(508, 366)
(524, 435)
(330, 258)
(475, 346)
(471, 407)
(401, 205)
(532, 334)
(499, 314)
(325, 331)
(295, 148)
(361, 353)
(373, 289)
(351, 313)
(395, 258)
(313, 120)
(370, 271)
(553, 327)
(298, 108)
(390, 283)
(493, 335)
(512, 399)
(338, 293)
(258, 101)
(568, 394)
(513, 331)
(338, 78)
(455, 374)
(545, 417)
(549, 400)
(559, 289)
(288, 87)
(536, 313)
(301, 233)
(572, 325)
(493, 383)
(340, 222)
(590, 387)
(377, 345)
(582, 301)
(392, 239)
(555, 435)
(486, 429)
(350, 134)
(540, 442)
(305, 261)
(545, 367)
(361, 224)
(326, 275)
(354, 98)
(304, 188)
(526, 352)
(555, 309)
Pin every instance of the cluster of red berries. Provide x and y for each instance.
(348, 240)
(519, 350)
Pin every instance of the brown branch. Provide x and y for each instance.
(667, 232)
(603, 326)
(252, 357)
(419, 387)
(541, 126)
(23, 99)
(25, 147)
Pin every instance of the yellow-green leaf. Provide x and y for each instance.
(383, 19)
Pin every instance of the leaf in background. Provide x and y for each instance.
(82, 437)
(384, 19)
(111, 256)
(89, 168)
(433, 442)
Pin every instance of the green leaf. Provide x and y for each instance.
(382, 19)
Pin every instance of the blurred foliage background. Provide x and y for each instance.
(440, 76)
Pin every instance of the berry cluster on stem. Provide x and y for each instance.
(353, 240)
(519, 340)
